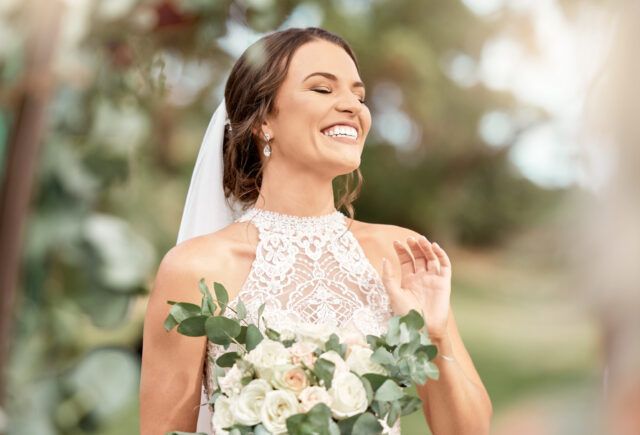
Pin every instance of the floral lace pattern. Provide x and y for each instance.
(311, 269)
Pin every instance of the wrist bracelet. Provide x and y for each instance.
(448, 358)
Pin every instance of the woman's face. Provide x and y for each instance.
(308, 104)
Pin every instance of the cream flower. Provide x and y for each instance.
(335, 358)
(266, 355)
(315, 332)
(350, 335)
(302, 351)
(289, 377)
(231, 383)
(348, 396)
(311, 396)
(222, 415)
(359, 360)
(278, 405)
(249, 402)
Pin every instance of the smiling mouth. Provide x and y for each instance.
(343, 139)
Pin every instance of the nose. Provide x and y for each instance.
(349, 102)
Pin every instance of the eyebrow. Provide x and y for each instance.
(332, 77)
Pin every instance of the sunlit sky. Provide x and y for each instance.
(556, 80)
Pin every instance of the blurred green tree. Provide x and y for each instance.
(136, 83)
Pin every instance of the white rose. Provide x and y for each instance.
(249, 402)
(334, 357)
(289, 377)
(348, 396)
(231, 383)
(311, 396)
(315, 332)
(278, 405)
(222, 415)
(359, 360)
(267, 354)
(302, 351)
(350, 335)
(287, 334)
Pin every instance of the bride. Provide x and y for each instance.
(261, 218)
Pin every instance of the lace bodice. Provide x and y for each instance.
(309, 269)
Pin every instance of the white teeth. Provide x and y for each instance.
(342, 130)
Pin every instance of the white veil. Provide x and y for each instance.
(206, 209)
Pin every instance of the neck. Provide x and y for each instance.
(299, 193)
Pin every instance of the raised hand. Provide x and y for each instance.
(425, 284)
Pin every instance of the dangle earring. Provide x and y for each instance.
(267, 149)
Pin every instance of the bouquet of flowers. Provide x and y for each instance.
(311, 379)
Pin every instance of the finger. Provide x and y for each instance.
(420, 261)
(432, 259)
(406, 260)
(442, 255)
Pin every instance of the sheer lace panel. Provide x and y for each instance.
(309, 269)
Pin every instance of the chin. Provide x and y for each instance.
(347, 167)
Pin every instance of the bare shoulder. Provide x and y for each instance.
(381, 236)
(211, 256)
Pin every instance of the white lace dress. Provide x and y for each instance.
(309, 269)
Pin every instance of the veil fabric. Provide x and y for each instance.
(205, 209)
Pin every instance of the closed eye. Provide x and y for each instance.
(326, 91)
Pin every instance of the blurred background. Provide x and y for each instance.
(506, 130)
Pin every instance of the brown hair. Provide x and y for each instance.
(250, 95)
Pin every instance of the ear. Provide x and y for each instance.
(264, 128)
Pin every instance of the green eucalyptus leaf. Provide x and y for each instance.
(375, 380)
(430, 350)
(242, 336)
(333, 343)
(367, 388)
(432, 370)
(183, 310)
(253, 337)
(389, 391)
(410, 404)
(324, 370)
(394, 413)
(193, 326)
(272, 334)
(169, 323)
(383, 357)
(261, 430)
(241, 310)
(367, 423)
(346, 425)
(208, 306)
(393, 332)
(221, 329)
(221, 296)
(260, 311)
(413, 320)
(314, 422)
(227, 359)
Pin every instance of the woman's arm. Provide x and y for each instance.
(457, 403)
(171, 378)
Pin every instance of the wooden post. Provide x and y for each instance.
(25, 139)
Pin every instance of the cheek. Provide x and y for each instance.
(366, 119)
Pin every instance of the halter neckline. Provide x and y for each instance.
(255, 211)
